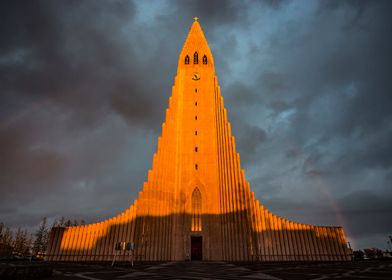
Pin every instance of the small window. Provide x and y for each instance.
(195, 58)
(196, 166)
(196, 149)
(196, 132)
(195, 118)
(196, 103)
(187, 59)
(204, 59)
(195, 89)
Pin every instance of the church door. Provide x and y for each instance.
(196, 248)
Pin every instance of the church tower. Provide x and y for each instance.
(196, 203)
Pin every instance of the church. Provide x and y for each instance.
(196, 203)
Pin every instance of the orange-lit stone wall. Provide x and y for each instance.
(197, 150)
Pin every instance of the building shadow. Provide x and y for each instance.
(240, 236)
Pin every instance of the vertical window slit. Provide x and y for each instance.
(195, 58)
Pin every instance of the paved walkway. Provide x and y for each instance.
(221, 270)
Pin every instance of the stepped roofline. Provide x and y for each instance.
(196, 203)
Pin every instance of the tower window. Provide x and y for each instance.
(195, 118)
(195, 89)
(196, 166)
(204, 59)
(196, 103)
(196, 210)
(195, 58)
(196, 149)
(187, 59)
(196, 132)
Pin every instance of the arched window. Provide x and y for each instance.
(204, 59)
(187, 59)
(196, 210)
(195, 58)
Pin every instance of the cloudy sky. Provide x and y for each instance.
(84, 86)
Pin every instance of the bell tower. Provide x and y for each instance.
(193, 99)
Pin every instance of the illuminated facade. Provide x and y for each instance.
(196, 203)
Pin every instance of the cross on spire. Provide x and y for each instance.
(196, 18)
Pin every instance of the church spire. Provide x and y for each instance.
(196, 203)
(196, 48)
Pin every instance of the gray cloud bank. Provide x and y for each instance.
(85, 84)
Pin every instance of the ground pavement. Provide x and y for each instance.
(221, 270)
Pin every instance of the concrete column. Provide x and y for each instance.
(306, 242)
(268, 236)
(153, 224)
(57, 249)
(311, 243)
(103, 240)
(263, 241)
(330, 242)
(75, 243)
(72, 237)
(84, 242)
(51, 251)
(287, 239)
(277, 243)
(110, 239)
(299, 242)
(324, 252)
(94, 242)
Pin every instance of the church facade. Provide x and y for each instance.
(196, 203)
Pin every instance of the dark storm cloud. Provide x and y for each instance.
(365, 213)
(372, 205)
(76, 54)
(85, 84)
(325, 93)
(250, 140)
(241, 95)
(353, 69)
(216, 12)
(63, 68)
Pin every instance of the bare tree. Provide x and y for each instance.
(68, 223)
(21, 243)
(55, 223)
(41, 238)
(6, 235)
(62, 222)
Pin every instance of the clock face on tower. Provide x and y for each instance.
(195, 76)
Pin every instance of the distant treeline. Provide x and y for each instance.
(21, 243)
